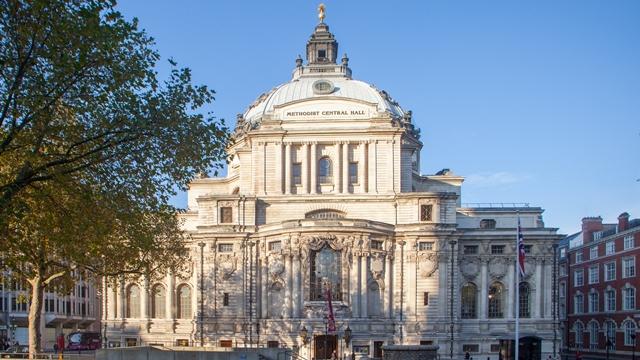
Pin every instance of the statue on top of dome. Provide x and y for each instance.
(321, 12)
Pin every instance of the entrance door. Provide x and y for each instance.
(325, 346)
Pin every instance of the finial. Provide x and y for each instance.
(345, 60)
(321, 13)
(299, 61)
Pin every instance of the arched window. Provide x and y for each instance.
(184, 302)
(525, 296)
(324, 171)
(158, 295)
(610, 332)
(496, 300)
(469, 292)
(594, 329)
(325, 272)
(487, 224)
(629, 329)
(578, 329)
(133, 301)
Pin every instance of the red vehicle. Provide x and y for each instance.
(84, 341)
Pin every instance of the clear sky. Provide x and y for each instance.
(531, 101)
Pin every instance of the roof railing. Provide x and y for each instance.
(496, 205)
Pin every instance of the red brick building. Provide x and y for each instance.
(599, 289)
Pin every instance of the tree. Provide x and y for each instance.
(92, 144)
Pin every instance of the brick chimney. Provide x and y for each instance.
(589, 226)
(623, 222)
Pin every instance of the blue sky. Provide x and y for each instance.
(531, 101)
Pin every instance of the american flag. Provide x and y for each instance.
(331, 321)
(521, 253)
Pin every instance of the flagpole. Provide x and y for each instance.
(517, 289)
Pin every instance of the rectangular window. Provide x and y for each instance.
(182, 342)
(426, 342)
(471, 348)
(353, 173)
(629, 242)
(578, 256)
(425, 298)
(376, 244)
(495, 348)
(425, 245)
(578, 304)
(361, 349)
(223, 248)
(593, 302)
(594, 274)
(629, 267)
(225, 299)
(563, 252)
(629, 302)
(275, 246)
(226, 215)
(497, 249)
(610, 300)
(610, 271)
(578, 278)
(597, 235)
(593, 252)
(274, 344)
(563, 270)
(322, 54)
(470, 249)
(227, 343)
(426, 212)
(610, 248)
(296, 173)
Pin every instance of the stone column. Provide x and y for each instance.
(287, 291)
(363, 284)
(170, 296)
(280, 168)
(547, 288)
(536, 302)
(388, 294)
(345, 168)
(354, 289)
(296, 286)
(264, 279)
(374, 166)
(364, 167)
(336, 169)
(122, 295)
(144, 299)
(305, 168)
(314, 166)
(287, 169)
(484, 285)
(112, 304)
(508, 311)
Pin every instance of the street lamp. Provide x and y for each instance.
(326, 336)
(304, 335)
(608, 345)
(347, 339)
(633, 351)
(201, 244)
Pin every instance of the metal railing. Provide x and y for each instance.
(495, 205)
(50, 356)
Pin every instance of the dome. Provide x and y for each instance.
(302, 89)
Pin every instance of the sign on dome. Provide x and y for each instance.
(328, 111)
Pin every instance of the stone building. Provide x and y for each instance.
(324, 192)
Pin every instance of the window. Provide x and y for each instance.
(296, 173)
(133, 301)
(610, 331)
(325, 270)
(628, 267)
(487, 224)
(593, 252)
(425, 298)
(629, 330)
(578, 278)
(158, 295)
(471, 348)
(594, 274)
(610, 271)
(223, 248)
(229, 343)
(578, 304)
(425, 245)
(275, 246)
(629, 242)
(610, 300)
(578, 328)
(469, 292)
(497, 249)
(324, 171)
(563, 269)
(610, 248)
(426, 212)
(470, 249)
(353, 173)
(593, 335)
(579, 257)
(597, 235)
(525, 296)
(593, 302)
(495, 348)
(322, 54)
(182, 342)
(563, 252)
(361, 349)
(496, 294)
(325, 214)
(562, 289)
(274, 344)
(527, 249)
(184, 302)
(225, 299)
(628, 298)
(226, 216)
(376, 244)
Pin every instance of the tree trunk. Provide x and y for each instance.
(35, 314)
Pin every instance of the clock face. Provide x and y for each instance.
(323, 87)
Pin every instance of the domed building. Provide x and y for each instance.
(325, 237)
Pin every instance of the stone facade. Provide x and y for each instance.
(324, 191)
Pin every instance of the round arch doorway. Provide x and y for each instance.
(530, 349)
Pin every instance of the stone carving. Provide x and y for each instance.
(497, 268)
(276, 268)
(529, 267)
(377, 267)
(427, 264)
(469, 269)
(228, 265)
